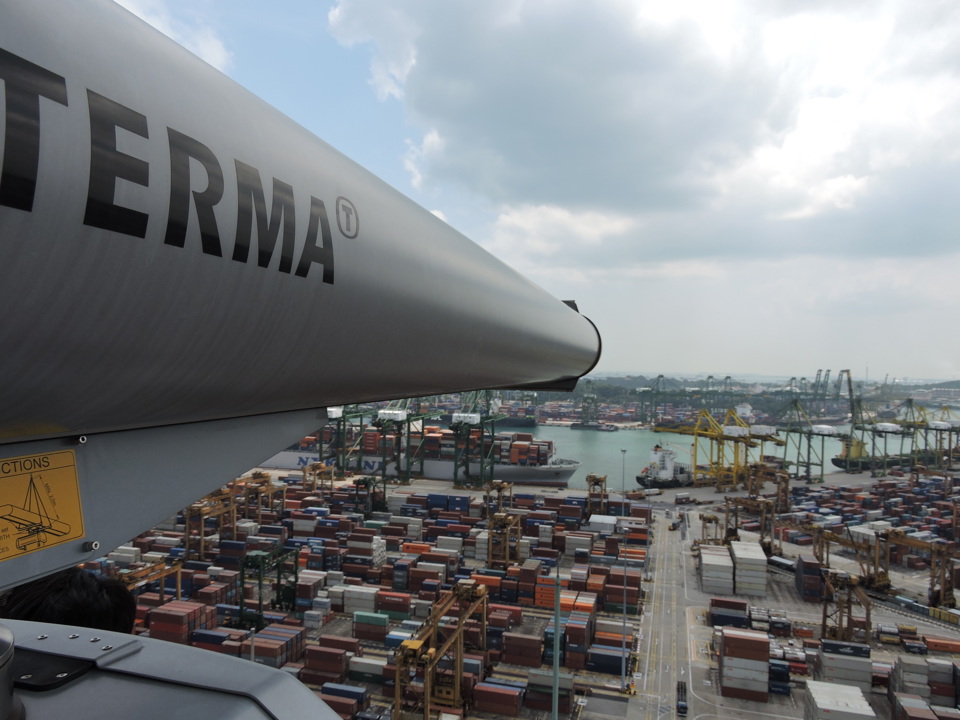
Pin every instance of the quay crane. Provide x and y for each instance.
(404, 419)
(473, 426)
(802, 455)
(726, 446)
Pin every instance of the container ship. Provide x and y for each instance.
(592, 425)
(856, 456)
(517, 457)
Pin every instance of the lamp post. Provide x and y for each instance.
(623, 507)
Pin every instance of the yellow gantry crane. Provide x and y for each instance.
(157, 572)
(720, 451)
(940, 593)
(423, 652)
(318, 477)
(718, 456)
(503, 526)
(874, 574)
(843, 596)
(220, 506)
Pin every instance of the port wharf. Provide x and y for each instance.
(630, 589)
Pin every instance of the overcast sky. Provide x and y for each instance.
(723, 186)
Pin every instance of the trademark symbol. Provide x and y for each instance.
(347, 219)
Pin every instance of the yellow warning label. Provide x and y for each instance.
(39, 503)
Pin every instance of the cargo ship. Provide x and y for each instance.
(592, 425)
(517, 457)
(663, 471)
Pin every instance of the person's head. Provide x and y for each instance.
(73, 597)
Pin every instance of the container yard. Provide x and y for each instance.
(442, 599)
(441, 604)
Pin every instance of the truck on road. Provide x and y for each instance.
(681, 697)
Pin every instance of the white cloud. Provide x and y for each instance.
(191, 31)
(394, 34)
(531, 235)
(772, 183)
(665, 107)
(417, 155)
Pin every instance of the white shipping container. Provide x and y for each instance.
(728, 673)
(729, 661)
(845, 662)
(752, 685)
(830, 701)
(370, 665)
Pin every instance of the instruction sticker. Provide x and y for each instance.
(39, 503)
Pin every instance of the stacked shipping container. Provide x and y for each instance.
(744, 670)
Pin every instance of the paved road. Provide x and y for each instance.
(676, 641)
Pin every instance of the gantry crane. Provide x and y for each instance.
(932, 441)
(596, 494)
(710, 522)
(318, 477)
(503, 540)
(940, 592)
(947, 431)
(404, 419)
(498, 497)
(479, 410)
(843, 595)
(422, 653)
(588, 404)
(133, 580)
(802, 455)
(258, 493)
(763, 508)
(220, 506)
(874, 574)
(725, 445)
(259, 563)
(874, 559)
(347, 422)
(503, 526)
(766, 468)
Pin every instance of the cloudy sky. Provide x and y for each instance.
(724, 186)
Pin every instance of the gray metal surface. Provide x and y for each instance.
(144, 678)
(140, 189)
(132, 480)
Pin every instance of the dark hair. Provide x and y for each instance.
(73, 597)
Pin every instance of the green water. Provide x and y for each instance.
(600, 452)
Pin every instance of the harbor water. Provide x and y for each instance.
(601, 452)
